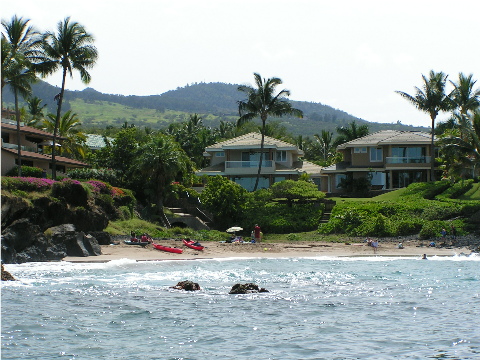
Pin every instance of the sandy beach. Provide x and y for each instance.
(268, 250)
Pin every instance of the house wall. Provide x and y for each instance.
(8, 162)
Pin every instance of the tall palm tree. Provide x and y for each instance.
(350, 132)
(432, 99)
(262, 102)
(69, 49)
(19, 55)
(464, 97)
(74, 143)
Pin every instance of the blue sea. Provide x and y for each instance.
(316, 308)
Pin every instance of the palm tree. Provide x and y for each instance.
(464, 151)
(35, 110)
(69, 49)
(326, 144)
(350, 132)
(464, 96)
(465, 99)
(19, 55)
(160, 161)
(432, 99)
(263, 102)
(74, 143)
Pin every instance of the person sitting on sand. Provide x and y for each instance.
(400, 245)
(146, 238)
(432, 244)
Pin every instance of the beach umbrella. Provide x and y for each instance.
(234, 229)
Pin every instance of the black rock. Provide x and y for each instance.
(246, 289)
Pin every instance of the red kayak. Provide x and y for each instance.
(191, 245)
(167, 248)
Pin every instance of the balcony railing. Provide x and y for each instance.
(15, 146)
(408, 160)
(248, 164)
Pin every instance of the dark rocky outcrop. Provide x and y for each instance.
(6, 276)
(25, 242)
(187, 285)
(72, 227)
(103, 238)
(246, 289)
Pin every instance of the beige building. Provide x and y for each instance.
(238, 160)
(32, 141)
(393, 159)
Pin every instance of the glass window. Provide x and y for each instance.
(281, 156)
(220, 154)
(338, 179)
(376, 154)
(360, 150)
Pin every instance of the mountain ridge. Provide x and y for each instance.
(212, 101)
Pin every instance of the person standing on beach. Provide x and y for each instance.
(375, 246)
(257, 232)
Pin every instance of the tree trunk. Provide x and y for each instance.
(19, 143)
(57, 122)
(432, 151)
(261, 153)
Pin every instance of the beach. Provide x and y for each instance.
(215, 250)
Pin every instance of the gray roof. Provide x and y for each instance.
(252, 141)
(96, 141)
(390, 137)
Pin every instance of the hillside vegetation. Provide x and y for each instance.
(421, 208)
(213, 102)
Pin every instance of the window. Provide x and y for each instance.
(338, 179)
(281, 156)
(360, 150)
(220, 154)
(376, 154)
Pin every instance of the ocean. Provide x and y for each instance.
(316, 308)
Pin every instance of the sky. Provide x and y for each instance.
(352, 55)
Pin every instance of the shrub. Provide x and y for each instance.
(293, 237)
(27, 171)
(125, 213)
(100, 187)
(26, 183)
(408, 227)
(72, 191)
(458, 189)
(107, 175)
(432, 229)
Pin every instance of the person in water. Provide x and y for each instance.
(424, 257)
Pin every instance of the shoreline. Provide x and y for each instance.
(217, 250)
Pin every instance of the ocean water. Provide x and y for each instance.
(316, 308)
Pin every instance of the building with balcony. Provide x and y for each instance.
(33, 142)
(238, 159)
(390, 158)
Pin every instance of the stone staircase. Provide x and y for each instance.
(329, 205)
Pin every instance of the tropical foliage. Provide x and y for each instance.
(69, 49)
(262, 102)
(432, 99)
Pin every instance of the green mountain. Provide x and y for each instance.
(212, 101)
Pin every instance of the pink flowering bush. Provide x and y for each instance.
(100, 187)
(26, 183)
